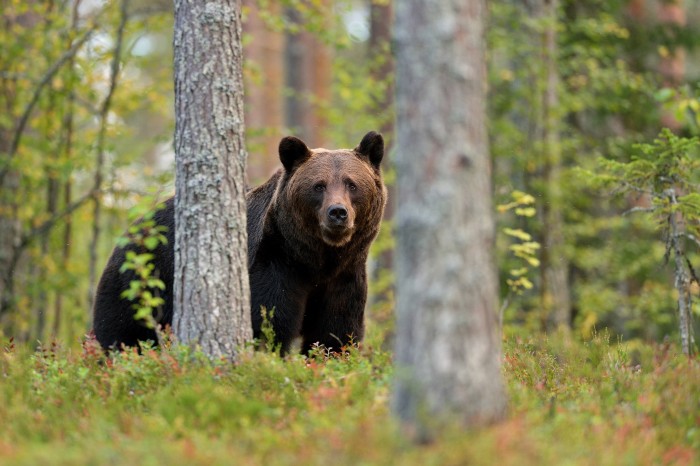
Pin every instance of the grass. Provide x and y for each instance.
(592, 403)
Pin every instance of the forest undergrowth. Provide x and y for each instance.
(595, 402)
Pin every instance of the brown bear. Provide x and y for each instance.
(310, 227)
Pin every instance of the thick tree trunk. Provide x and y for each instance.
(212, 295)
(447, 351)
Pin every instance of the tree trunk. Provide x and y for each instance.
(682, 278)
(381, 15)
(264, 96)
(447, 349)
(10, 227)
(41, 305)
(67, 148)
(101, 155)
(308, 68)
(65, 257)
(556, 297)
(212, 295)
(9, 230)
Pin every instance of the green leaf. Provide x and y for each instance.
(664, 94)
(151, 242)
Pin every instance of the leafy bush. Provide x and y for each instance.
(592, 402)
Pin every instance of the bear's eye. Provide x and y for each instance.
(352, 186)
(319, 187)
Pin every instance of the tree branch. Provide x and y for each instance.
(639, 209)
(48, 76)
(49, 223)
(631, 187)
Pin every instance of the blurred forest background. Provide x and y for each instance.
(86, 126)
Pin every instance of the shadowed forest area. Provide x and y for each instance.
(593, 120)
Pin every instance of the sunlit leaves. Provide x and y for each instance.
(524, 248)
(56, 154)
(142, 239)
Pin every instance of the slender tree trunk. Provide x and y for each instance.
(212, 295)
(447, 349)
(41, 305)
(556, 297)
(67, 131)
(381, 26)
(264, 96)
(308, 67)
(9, 229)
(101, 154)
(682, 279)
(65, 258)
(10, 131)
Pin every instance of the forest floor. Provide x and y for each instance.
(571, 403)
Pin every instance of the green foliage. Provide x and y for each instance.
(670, 163)
(267, 332)
(141, 242)
(591, 402)
(607, 64)
(62, 65)
(664, 177)
(318, 17)
(684, 104)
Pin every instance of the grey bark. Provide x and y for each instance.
(447, 349)
(212, 295)
(682, 278)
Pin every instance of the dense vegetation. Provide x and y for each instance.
(599, 402)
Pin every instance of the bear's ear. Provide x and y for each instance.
(372, 146)
(293, 152)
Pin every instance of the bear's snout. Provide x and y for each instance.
(337, 214)
(337, 224)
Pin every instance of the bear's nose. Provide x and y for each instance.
(338, 214)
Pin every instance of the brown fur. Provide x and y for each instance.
(307, 267)
(311, 269)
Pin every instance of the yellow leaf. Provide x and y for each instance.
(517, 233)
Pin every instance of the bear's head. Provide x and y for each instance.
(334, 195)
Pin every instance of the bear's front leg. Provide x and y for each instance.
(335, 312)
(283, 297)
